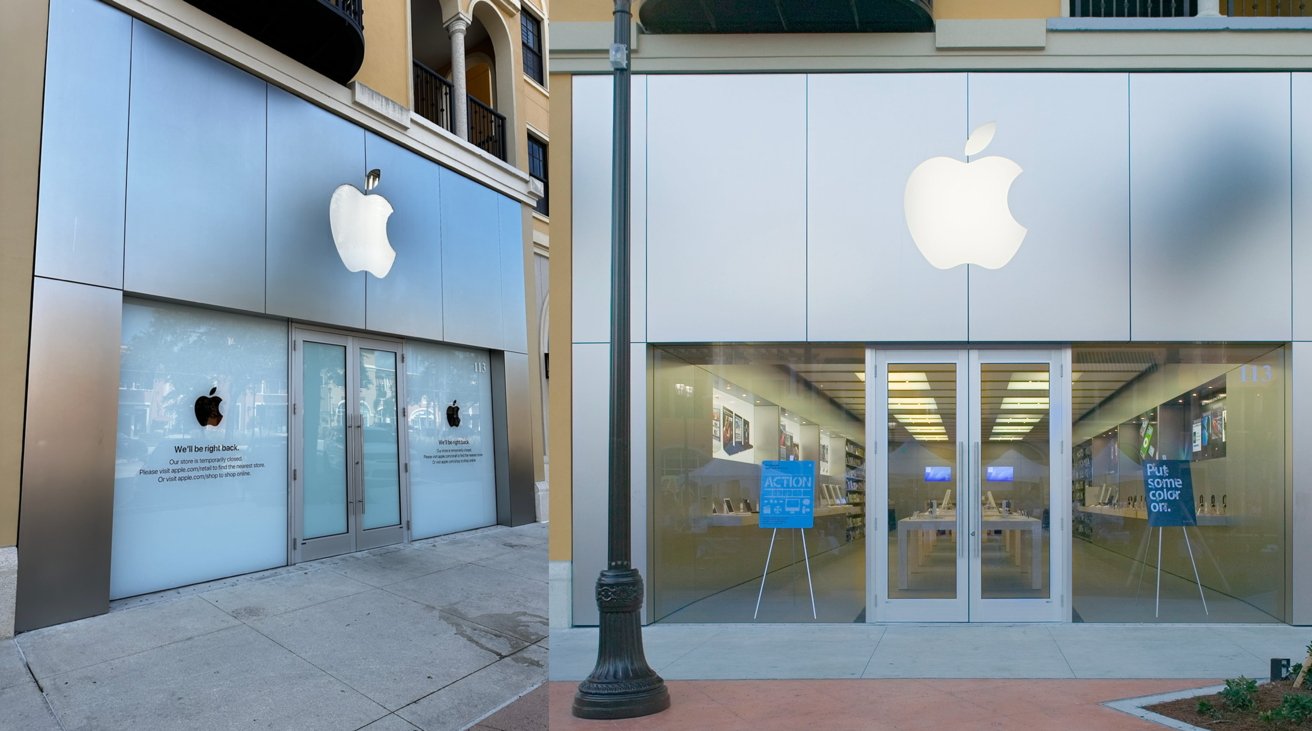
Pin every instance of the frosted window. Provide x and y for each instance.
(452, 472)
(200, 487)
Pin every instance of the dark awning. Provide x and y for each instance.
(787, 16)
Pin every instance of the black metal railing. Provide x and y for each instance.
(1266, 8)
(433, 96)
(1133, 8)
(1187, 8)
(433, 101)
(487, 129)
(353, 10)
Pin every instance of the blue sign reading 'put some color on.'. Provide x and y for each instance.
(787, 494)
(1169, 493)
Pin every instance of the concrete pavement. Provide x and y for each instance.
(437, 634)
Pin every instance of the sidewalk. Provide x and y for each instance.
(437, 634)
(932, 676)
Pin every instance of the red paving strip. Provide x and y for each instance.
(872, 705)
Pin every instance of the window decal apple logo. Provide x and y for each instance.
(453, 415)
(207, 409)
(359, 225)
(957, 211)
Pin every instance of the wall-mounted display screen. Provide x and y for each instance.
(999, 473)
(938, 474)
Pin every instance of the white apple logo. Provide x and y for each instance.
(957, 211)
(359, 225)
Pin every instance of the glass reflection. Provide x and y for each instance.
(381, 463)
(324, 444)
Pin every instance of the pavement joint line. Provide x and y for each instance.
(40, 688)
(1057, 644)
(878, 642)
(1135, 706)
(476, 671)
(66, 671)
(505, 705)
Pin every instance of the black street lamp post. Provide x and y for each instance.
(622, 685)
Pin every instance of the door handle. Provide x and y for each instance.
(977, 534)
(961, 513)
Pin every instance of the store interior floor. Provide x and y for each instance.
(1108, 587)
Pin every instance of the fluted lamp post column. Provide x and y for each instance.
(622, 685)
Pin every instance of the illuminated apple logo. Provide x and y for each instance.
(957, 211)
(453, 415)
(359, 224)
(207, 409)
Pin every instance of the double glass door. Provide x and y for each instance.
(347, 468)
(968, 466)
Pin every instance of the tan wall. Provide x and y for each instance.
(585, 10)
(996, 9)
(562, 503)
(386, 66)
(22, 68)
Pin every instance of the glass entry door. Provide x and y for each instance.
(968, 466)
(347, 472)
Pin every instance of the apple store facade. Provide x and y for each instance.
(215, 388)
(1036, 383)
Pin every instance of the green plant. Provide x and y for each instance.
(1268, 716)
(1205, 708)
(1295, 708)
(1239, 693)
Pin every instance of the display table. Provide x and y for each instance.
(1139, 514)
(731, 520)
(1012, 527)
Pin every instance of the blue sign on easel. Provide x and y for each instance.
(787, 494)
(1168, 487)
(1169, 493)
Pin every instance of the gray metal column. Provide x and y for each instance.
(66, 515)
(459, 86)
(512, 416)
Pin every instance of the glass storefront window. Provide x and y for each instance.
(1221, 410)
(200, 487)
(718, 412)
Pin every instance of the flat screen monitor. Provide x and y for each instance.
(999, 473)
(938, 474)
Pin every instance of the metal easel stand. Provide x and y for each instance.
(806, 556)
(1183, 529)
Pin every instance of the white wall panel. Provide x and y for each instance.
(1301, 93)
(1210, 210)
(726, 216)
(590, 428)
(592, 191)
(866, 280)
(1070, 280)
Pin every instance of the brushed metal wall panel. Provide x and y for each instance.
(471, 263)
(593, 140)
(310, 153)
(1210, 215)
(516, 494)
(408, 301)
(514, 306)
(726, 208)
(591, 394)
(866, 280)
(1069, 133)
(1301, 92)
(65, 520)
(195, 202)
(84, 140)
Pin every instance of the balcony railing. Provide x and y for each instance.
(433, 101)
(326, 35)
(487, 129)
(1186, 8)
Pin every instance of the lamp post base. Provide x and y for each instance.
(622, 685)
